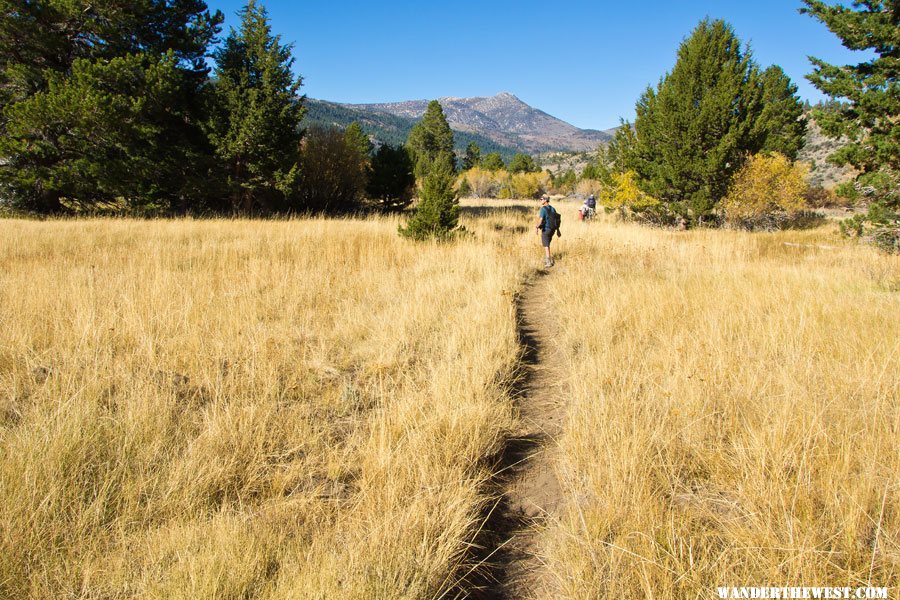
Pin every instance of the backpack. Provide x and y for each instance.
(554, 220)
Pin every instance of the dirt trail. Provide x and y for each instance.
(531, 495)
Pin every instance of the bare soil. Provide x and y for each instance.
(527, 485)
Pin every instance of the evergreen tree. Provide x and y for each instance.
(101, 102)
(493, 162)
(392, 181)
(430, 138)
(41, 37)
(621, 152)
(437, 213)
(472, 157)
(109, 130)
(522, 163)
(780, 125)
(704, 118)
(357, 139)
(256, 125)
(869, 117)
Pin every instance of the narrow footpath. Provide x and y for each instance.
(530, 492)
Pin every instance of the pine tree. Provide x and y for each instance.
(493, 162)
(256, 125)
(430, 138)
(103, 102)
(362, 147)
(437, 213)
(869, 117)
(522, 163)
(358, 140)
(472, 157)
(392, 180)
(704, 118)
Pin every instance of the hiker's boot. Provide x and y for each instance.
(548, 263)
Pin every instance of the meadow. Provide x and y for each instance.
(311, 408)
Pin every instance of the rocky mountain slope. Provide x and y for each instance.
(503, 119)
(392, 129)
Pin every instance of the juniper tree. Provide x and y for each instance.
(695, 129)
(255, 128)
(358, 140)
(361, 146)
(430, 138)
(780, 126)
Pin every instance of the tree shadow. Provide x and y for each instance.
(490, 211)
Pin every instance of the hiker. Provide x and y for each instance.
(588, 209)
(546, 225)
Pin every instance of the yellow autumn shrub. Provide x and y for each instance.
(482, 182)
(625, 193)
(529, 185)
(767, 185)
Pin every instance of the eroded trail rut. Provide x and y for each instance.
(530, 492)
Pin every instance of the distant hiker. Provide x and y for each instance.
(547, 224)
(588, 209)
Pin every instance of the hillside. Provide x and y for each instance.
(816, 150)
(391, 129)
(501, 123)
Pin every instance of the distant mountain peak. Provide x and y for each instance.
(503, 118)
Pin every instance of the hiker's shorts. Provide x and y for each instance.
(546, 238)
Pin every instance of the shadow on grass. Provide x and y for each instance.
(490, 211)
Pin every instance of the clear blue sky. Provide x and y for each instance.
(585, 62)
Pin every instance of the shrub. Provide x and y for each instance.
(817, 196)
(625, 193)
(332, 174)
(482, 182)
(529, 185)
(586, 187)
(767, 190)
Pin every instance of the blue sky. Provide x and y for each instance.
(584, 62)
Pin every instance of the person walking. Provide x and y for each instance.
(547, 224)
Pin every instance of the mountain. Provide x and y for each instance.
(501, 123)
(387, 128)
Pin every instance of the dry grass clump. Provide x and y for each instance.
(734, 416)
(238, 408)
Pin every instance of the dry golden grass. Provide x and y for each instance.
(734, 414)
(234, 408)
(302, 409)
